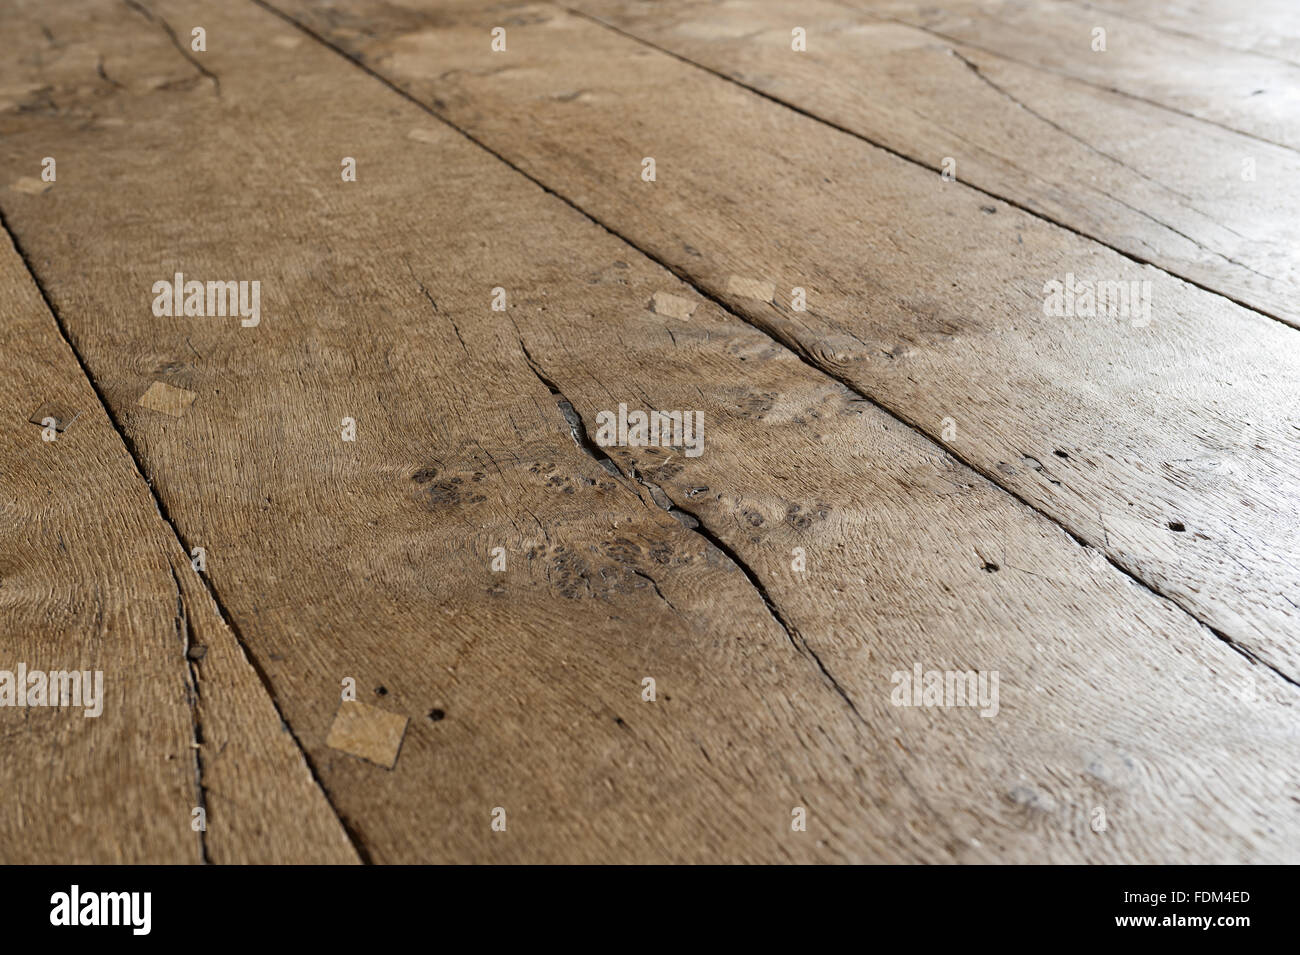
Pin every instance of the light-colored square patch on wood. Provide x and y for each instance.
(287, 42)
(368, 732)
(751, 288)
(31, 186)
(167, 399)
(423, 135)
(672, 305)
(52, 410)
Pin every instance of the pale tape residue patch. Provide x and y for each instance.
(167, 399)
(751, 288)
(423, 135)
(673, 306)
(63, 416)
(33, 187)
(368, 732)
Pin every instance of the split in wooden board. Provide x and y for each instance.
(1170, 444)
(369, 559)
(93, 579)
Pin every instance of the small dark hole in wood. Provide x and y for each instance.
(1060, 454)
(991, 567)
(381, 690)
(1177, 526)
(436, 714)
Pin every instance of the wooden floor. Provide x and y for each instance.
(365, 577)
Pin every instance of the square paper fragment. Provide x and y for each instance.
(33, 187)
(167, 398)
(751, 288)
(62, 416)
(672, 305)
(368, 732)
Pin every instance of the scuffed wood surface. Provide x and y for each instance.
(92, 578)
(926, 296)
(371, 559)
(1247, 92)
(1210, 205)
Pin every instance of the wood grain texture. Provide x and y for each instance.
(1210, 205)
(1266, 27)
(371, 559)
(92, 578)
(1247, 92)
(1173, 446)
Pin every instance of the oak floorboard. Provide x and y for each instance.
(93, 579)
(1210, 205)
(1267, 27)
(1172, 445)
(1246, 92)
(371, 559)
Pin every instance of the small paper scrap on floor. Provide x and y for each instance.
(33, 187)
(61, 415)
(673, 306)
(368, 732)
(167, 399)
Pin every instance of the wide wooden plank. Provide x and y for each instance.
(1212, 206)
(372, 558)
(1246, 92)
(1267, 27)
(1169, 440)
(92, 579)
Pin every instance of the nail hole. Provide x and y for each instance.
(1060, 454)
(436, 714)
(381, 690)
(990, 567)
(1176, 526)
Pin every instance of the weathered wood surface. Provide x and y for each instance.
(92, 579)
(371, 559)
(1248, 92)
(1267, 27)
(1212, 206)
(1171, 445)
